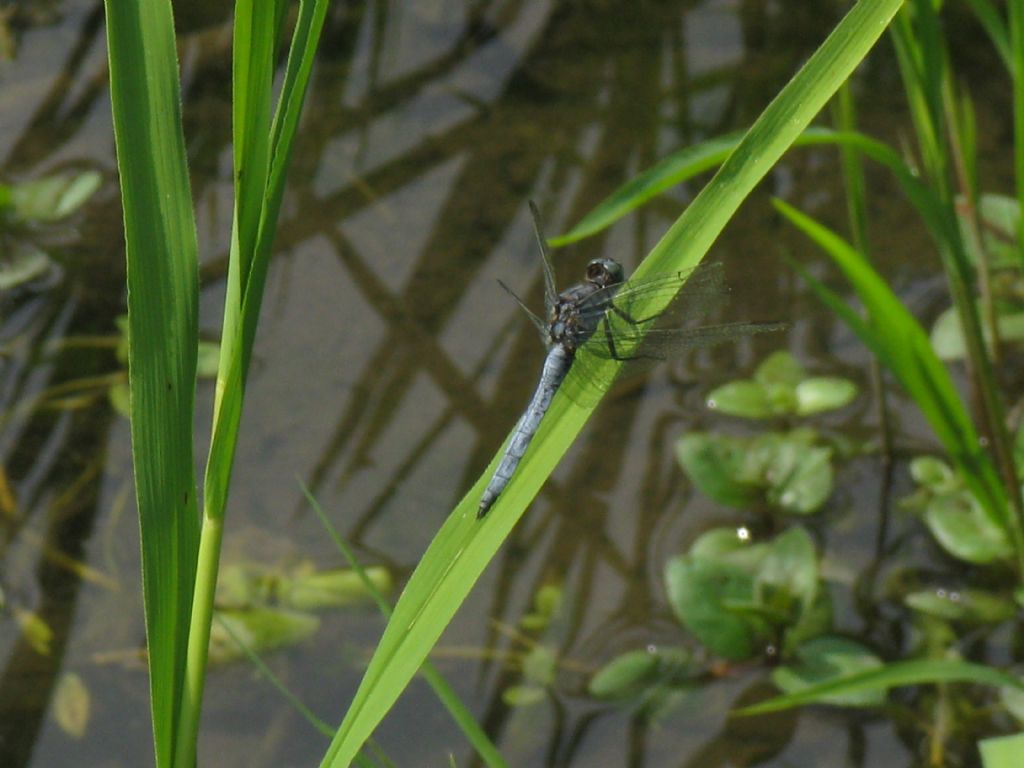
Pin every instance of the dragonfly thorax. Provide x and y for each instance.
(578, 310)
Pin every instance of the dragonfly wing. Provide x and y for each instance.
(659, 344)
(539, 324)
(690, 295)
(550, 293)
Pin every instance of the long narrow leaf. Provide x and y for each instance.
(262, 154)
(672, 170)
(893, 675)
(464, 546)
(444, 692)
(163, 285)
(905, 349)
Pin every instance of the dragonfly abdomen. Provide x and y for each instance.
(556, 366)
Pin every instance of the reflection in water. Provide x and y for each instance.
(389, 363)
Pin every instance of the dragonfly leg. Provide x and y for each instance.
(610, 341)
(629, 318)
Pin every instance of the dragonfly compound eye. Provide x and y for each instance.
(604, 272)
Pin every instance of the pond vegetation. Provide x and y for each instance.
(762, 611)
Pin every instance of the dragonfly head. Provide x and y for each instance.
(604, 272)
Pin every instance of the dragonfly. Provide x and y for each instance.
(597, 320)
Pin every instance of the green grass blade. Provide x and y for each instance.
(903, 346)
(921, 672)
(160, 238)
(262, 153)
(991, 20)
(673, 169)
(464, 546)
(239, 336)
(1016, 23)
(444, 692)
(1002, 752)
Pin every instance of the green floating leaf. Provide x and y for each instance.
(934, 473)
(802, 478)
(701, 592)
(22, 267)
(208, 360)
(34, 629)
(721, 467)
(744, 398)
(72, 705)
(523, 695)
(780, 387)
(947, 336)
(540, 665)
(301, 588)
(1013, 700)
(790, 566)
(316, 590)
(1002, 751)
(786, 470)
(963, 529)
(717, 542)
(629, 675)
(258, 629)
(546, 605)
(1000, 218)
(823, 393)
(120, 398)
(813, 621)
(780, 368)
(970, 605)
(825, 659)
(53, 197)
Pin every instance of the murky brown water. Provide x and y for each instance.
(390, 365)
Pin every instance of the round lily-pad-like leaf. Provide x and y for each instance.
(1000, 215)
(823, 393)
(791, 567)
(632, 673)
(72, 704)
(963, 529)
(22, 266)
(717, 542)
(312, 590)
(933, 473)
(1013, 700)
(825, 658)
(801, 477)
(780, 368)
(259, 629)
(700, 593)
(53, 197)
(971, 605)
(947, 335)
(744, 398)
(540, 665)
(814, 621)
(523, 695)
(721, 467)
